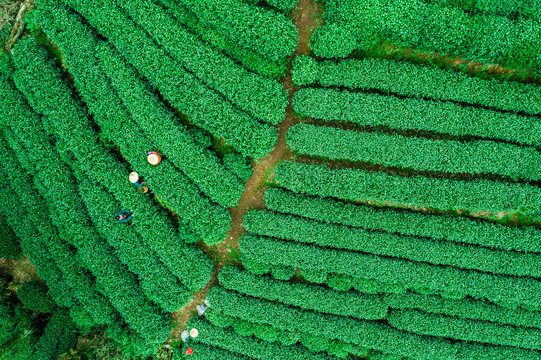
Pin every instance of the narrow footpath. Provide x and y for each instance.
(304, 16)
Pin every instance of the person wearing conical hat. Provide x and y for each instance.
(136, 180)
(154, 157)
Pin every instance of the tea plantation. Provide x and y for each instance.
(271, 180)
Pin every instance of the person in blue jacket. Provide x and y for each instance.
(124, 216)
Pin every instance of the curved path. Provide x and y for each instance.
(305, 19)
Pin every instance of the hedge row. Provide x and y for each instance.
(263, 98)
(156, 280)
(33, 295)
(466, 308)
(160, 126)
(416, 114)
(68, 213)
(72, 125)
(428, 28)
(419, 81)
(64, 287)
(204, 352)
(323, 327)
(59, 337)
(290, 227)
(182, 89)
(416, 153)
(305, 296)
(420, 277)
(266, 32)
(251, 60)
(284, 5)
(7, 320)
(287, 337)
(464, 329)
(442, 194)
(58, 264)
(458, 229)
(9, 243)
(178, 192)
(248, 346)
(378, 355)
(238, 165)
(528, 9)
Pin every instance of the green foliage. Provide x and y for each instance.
(182, 89)
(417, 114)
(7, 319)
(289, 227)
(511, 9)
(427, 27)
(251, 60)
(238, 165)
(59, 336)
(420, 277)
(205, 352)
(69, 283)
(443, 194)
(263, 98)
(425, 81)
(70, 216)
(156, 280)
(284, 5)
(469, 330)
(416, 153)
(457, 229)
(466, 308)
(72, 125)
(248, 346)
(9, 243)
(317, 329)
(34, 296)
(378, 355)
(160, 126)
(333, 40)
(266, 32)
(178, 192)
(305, 70)
(305, 296)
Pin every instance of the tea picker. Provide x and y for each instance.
(124, 216)
(138, 181)
(153, 157)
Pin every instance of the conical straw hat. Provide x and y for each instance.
(194, 332)
(134, 176)
(153, 159)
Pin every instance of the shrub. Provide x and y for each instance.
(34, 296)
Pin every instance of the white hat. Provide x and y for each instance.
(134, 176)
(194, 332)
(153, 159)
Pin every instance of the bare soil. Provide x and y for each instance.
(20, 269)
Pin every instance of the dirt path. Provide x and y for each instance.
(20, 269)
(304, 18)
(181, 317)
